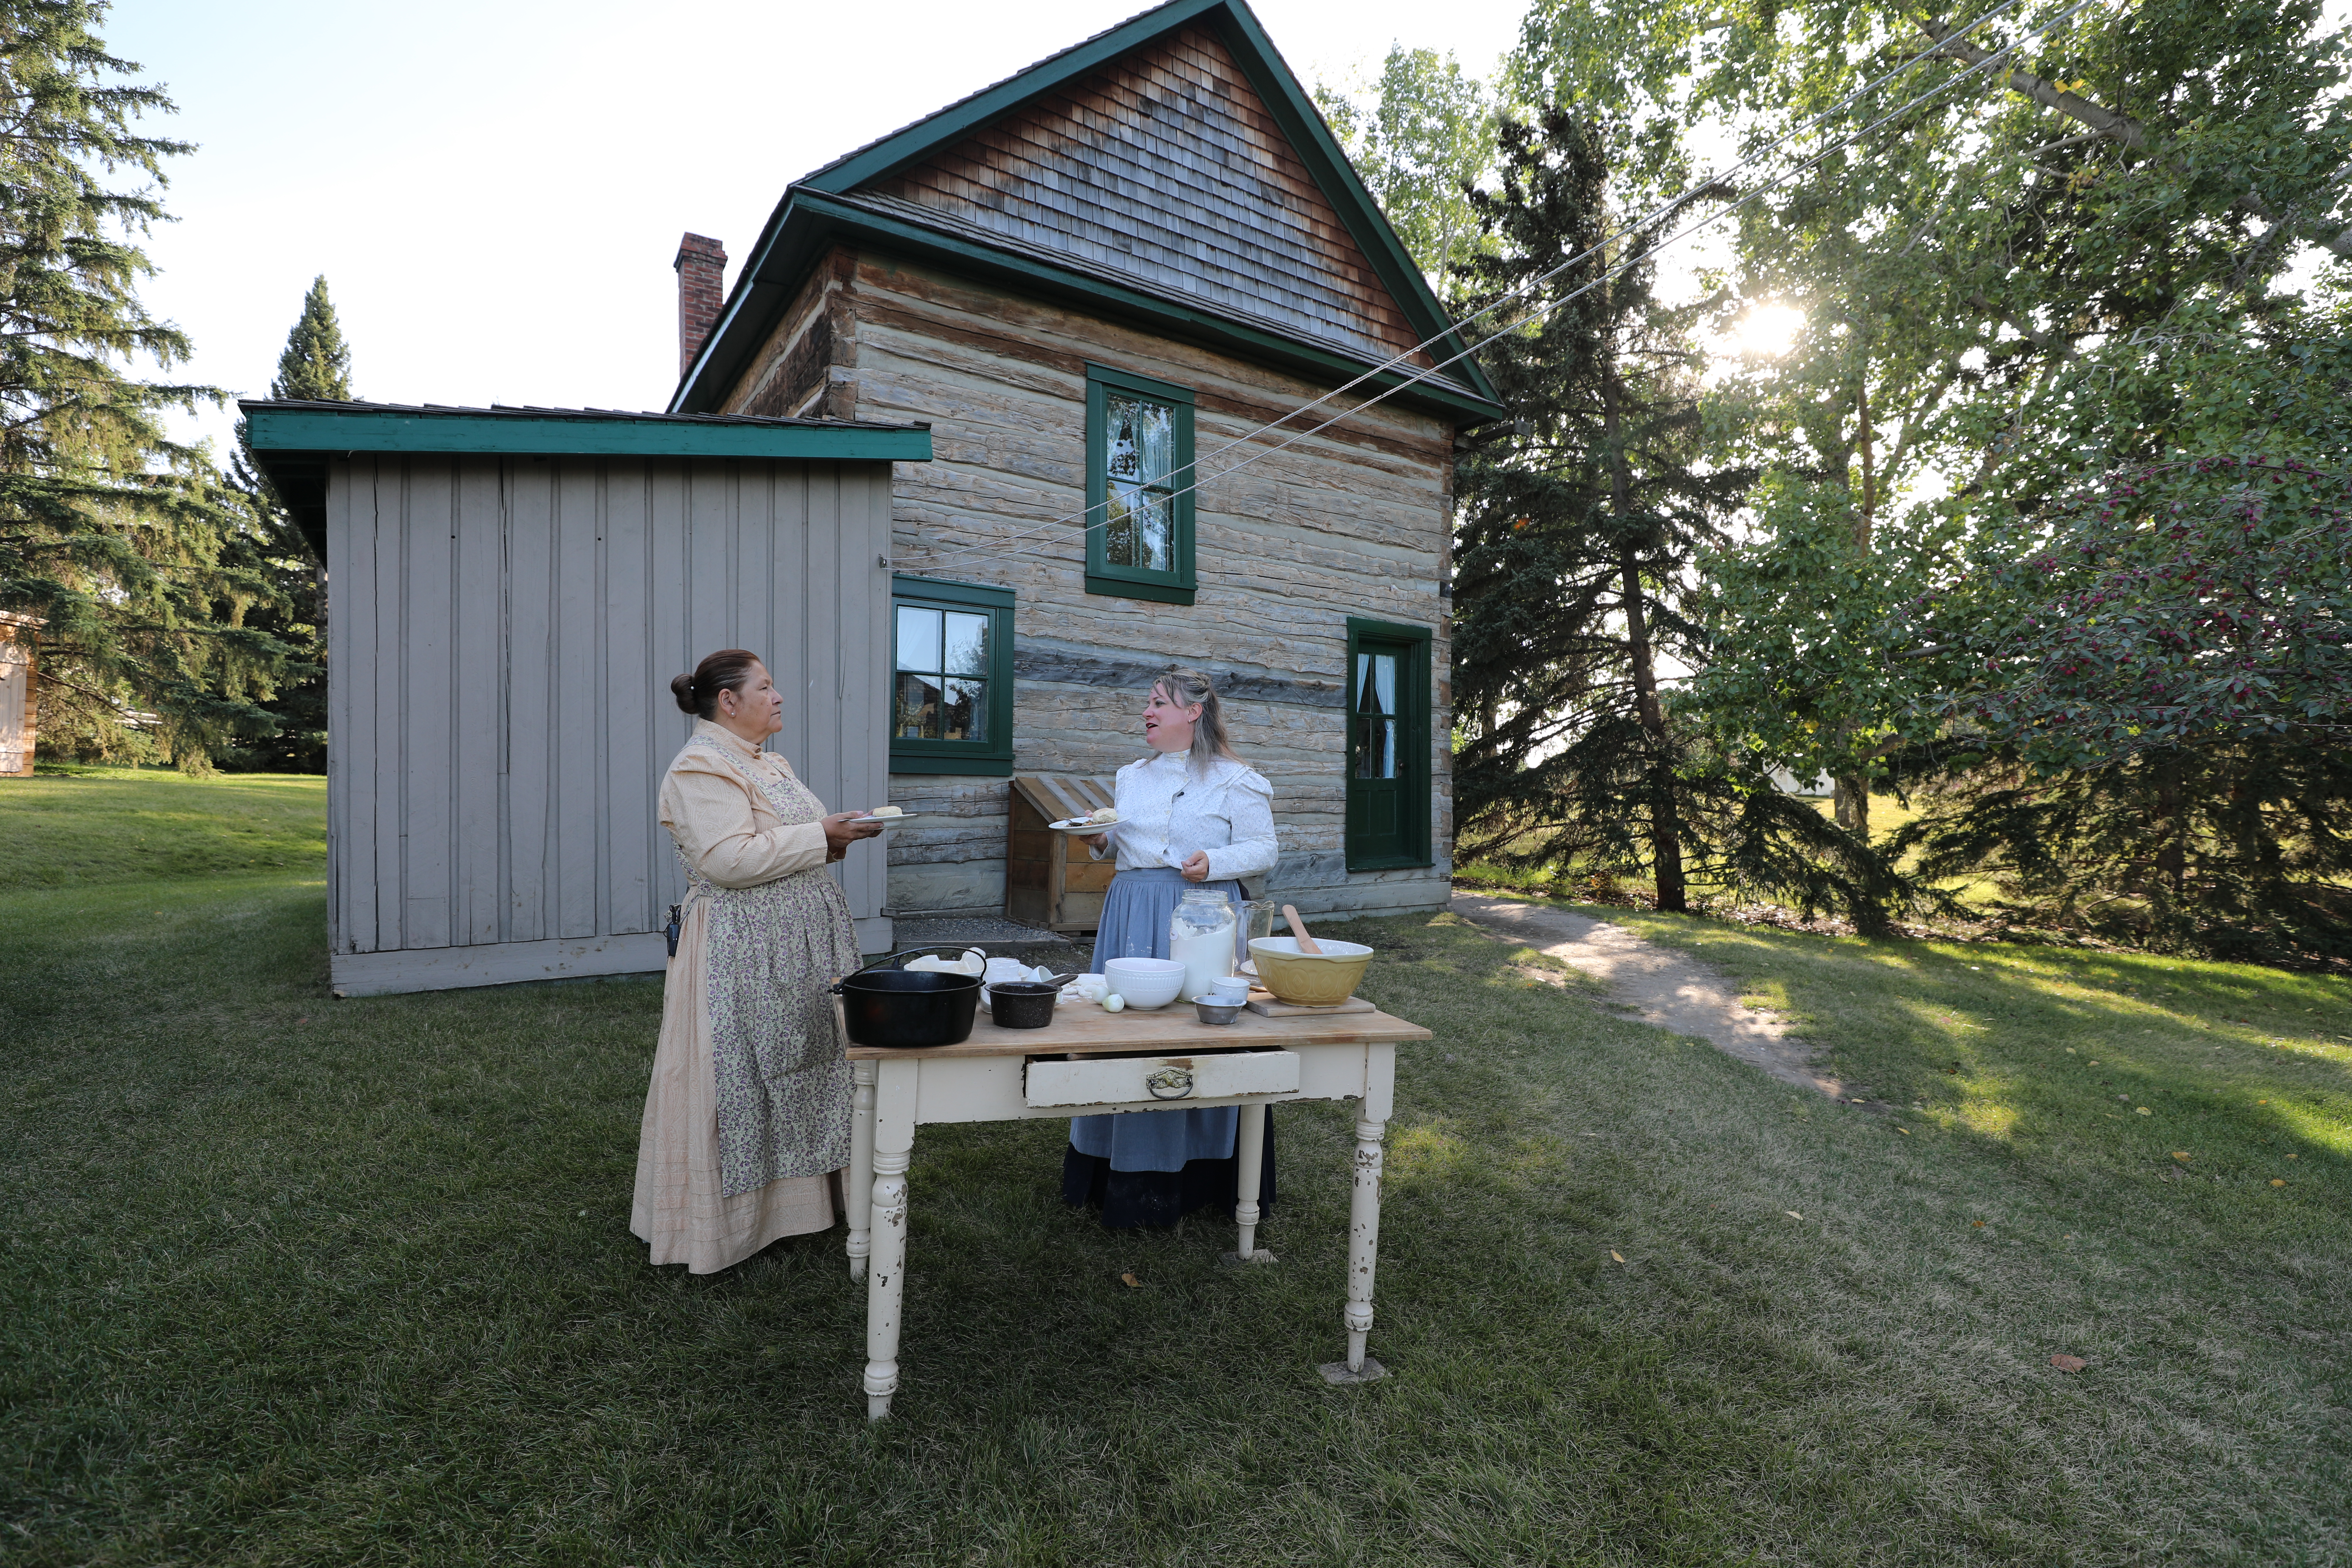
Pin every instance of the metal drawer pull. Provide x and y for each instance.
(1169, 1083)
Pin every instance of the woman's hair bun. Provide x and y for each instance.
(725, 671)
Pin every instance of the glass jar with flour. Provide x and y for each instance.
(1201, 938)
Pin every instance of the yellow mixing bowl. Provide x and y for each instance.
(1307, 979)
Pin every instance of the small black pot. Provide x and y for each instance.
(912, 1009)
(1023, 1003)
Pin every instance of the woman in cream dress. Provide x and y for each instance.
(747, 1120)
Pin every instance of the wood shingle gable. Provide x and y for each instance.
(1170, 173)
(1168, 165)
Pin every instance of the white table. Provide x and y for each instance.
(1089, 1061)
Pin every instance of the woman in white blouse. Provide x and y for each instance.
(1190, 815)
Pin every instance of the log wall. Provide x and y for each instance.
(1351, 521)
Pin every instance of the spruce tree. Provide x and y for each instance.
(1582, 521)
(116, 537)
(315, 366)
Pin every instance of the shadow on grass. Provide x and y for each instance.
(298, 1281)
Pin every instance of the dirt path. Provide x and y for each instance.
(1668, 989)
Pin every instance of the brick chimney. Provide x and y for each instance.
(701, 273)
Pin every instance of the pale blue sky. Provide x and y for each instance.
(495, 189)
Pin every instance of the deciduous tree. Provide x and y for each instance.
(1425, 139)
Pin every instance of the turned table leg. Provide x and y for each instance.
(885, 1284)
(1364, 1215)
(1363, 1238)
(1249, 1155)
(857, 1192)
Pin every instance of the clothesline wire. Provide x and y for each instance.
(1610, 271)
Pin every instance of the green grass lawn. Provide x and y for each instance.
(137, 825)
(300, 1281)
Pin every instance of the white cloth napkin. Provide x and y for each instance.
(973, 962)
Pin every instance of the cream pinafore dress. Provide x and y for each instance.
(746, 1117)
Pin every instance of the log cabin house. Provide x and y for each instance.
(1087, 280)
(933, 458)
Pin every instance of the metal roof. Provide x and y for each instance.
(531, 412)
(292, 440)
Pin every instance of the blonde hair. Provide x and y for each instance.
(1190, 687)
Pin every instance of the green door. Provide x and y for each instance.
(1384, 701)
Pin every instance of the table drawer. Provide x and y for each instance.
(1125, 1080)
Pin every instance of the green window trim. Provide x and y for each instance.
(1388, 814)
(990, 753)
(1177, 584)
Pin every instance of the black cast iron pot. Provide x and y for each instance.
(1024, 1004)
(902, 1007)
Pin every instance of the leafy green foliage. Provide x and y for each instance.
(2141, 726)
(316, 364)
(1424, 141)
(2198, 603)
(117, 538)
(1578, 528)
(2048, 276)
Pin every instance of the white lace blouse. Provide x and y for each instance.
(1166, 811)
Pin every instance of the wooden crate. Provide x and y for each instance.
(1049, 879)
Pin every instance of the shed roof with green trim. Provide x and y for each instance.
(293, 441)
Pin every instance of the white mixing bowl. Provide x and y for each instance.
(1146, 982)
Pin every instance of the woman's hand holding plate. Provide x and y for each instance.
(841, 832)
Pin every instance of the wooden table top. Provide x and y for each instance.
(1082, 1029)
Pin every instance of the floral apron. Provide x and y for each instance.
(771, 955)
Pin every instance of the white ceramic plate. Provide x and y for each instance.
(1072, 824)
(891, 821)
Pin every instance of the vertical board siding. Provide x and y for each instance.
(350, 620)
(869, 681)
(388, 481)
(668, 579)
(478, 699)
(531, 685)
(578, 840)
(816, 641)
(502, 643)
(427, 722)
(633, 692)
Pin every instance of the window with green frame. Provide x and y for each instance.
(951, 677)
(1138, 488)
(1388, 745)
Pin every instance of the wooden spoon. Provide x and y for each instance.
(1298, 929)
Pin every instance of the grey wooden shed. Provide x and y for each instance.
(510, 591)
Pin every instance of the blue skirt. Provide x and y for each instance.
(1135, 925)
(1153, 1167)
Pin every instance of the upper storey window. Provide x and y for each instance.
(1138, 488)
